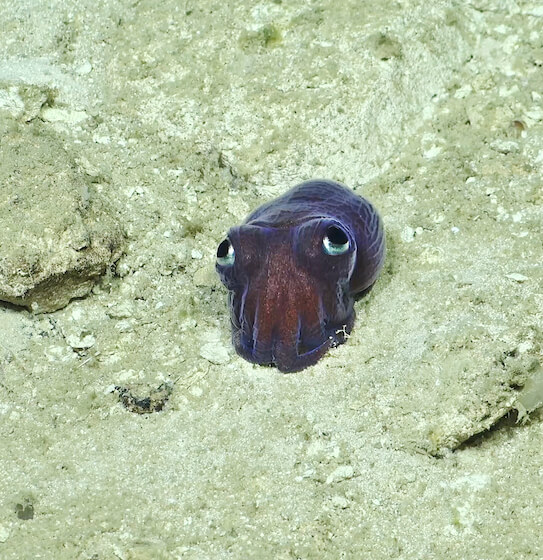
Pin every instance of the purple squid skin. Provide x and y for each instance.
(290, 300)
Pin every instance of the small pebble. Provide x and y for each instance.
(204, 277)
(215, 353)
(121, 310)
(340, 502)
(53, 115)
(517, 277)
(432, 152)
(342, 472)
(505, 146)
(81, 341)
(4, 533)
(84, 68)
(407, 235)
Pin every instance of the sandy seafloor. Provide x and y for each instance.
(421, 436)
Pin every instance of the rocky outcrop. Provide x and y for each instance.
(57, 234)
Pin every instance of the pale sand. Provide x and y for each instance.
(185, 117)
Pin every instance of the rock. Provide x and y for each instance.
(57, 236)
(81, 340)
(215, 353)
(205, 277)
(343, 472)
(517, 277)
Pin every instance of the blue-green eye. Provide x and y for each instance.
(335, 241)
(225, 253)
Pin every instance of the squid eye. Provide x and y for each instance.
(225, 253)
(335, 241)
